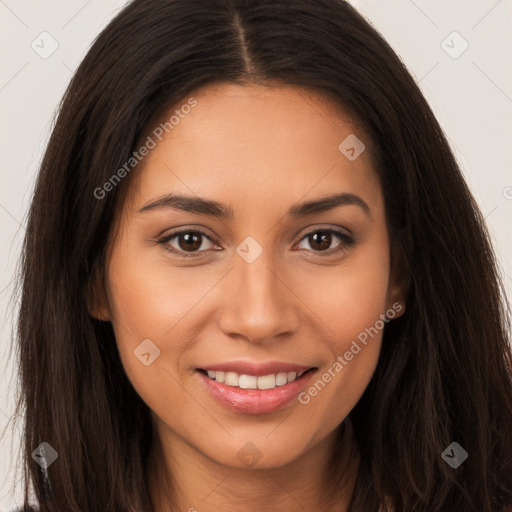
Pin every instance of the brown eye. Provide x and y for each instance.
(321, 240)
(187, 243)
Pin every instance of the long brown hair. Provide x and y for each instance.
(444, 374)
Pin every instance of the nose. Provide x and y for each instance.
(258, 304)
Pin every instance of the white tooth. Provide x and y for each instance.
(231, 379)
(252, 382)
(281, 379)
(291, 376)
(267, 382)
(248, 382)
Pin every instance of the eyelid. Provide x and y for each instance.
(312, 228)
(346, 238)
(169, 236)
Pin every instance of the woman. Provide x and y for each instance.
(255, 279)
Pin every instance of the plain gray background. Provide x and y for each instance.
(470, 91)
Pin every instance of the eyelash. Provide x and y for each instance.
(346, 241)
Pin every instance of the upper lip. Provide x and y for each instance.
(256, 369)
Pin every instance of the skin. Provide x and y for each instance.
(259, 150)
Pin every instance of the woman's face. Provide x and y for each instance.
(262, 282)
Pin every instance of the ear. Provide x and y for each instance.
(96, 298)
(399, 281)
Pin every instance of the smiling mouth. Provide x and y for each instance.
(262, 382)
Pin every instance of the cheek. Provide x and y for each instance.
(350, 297)
(149, 298)
(349, 303)
(148, 301)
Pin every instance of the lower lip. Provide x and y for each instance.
(255, 401)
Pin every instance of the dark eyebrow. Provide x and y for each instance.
(327, 203)
(189, 204)
(213, 208)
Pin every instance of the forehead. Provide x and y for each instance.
(267, 142)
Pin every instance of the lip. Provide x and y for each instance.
(256, 369)
(255, 401)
